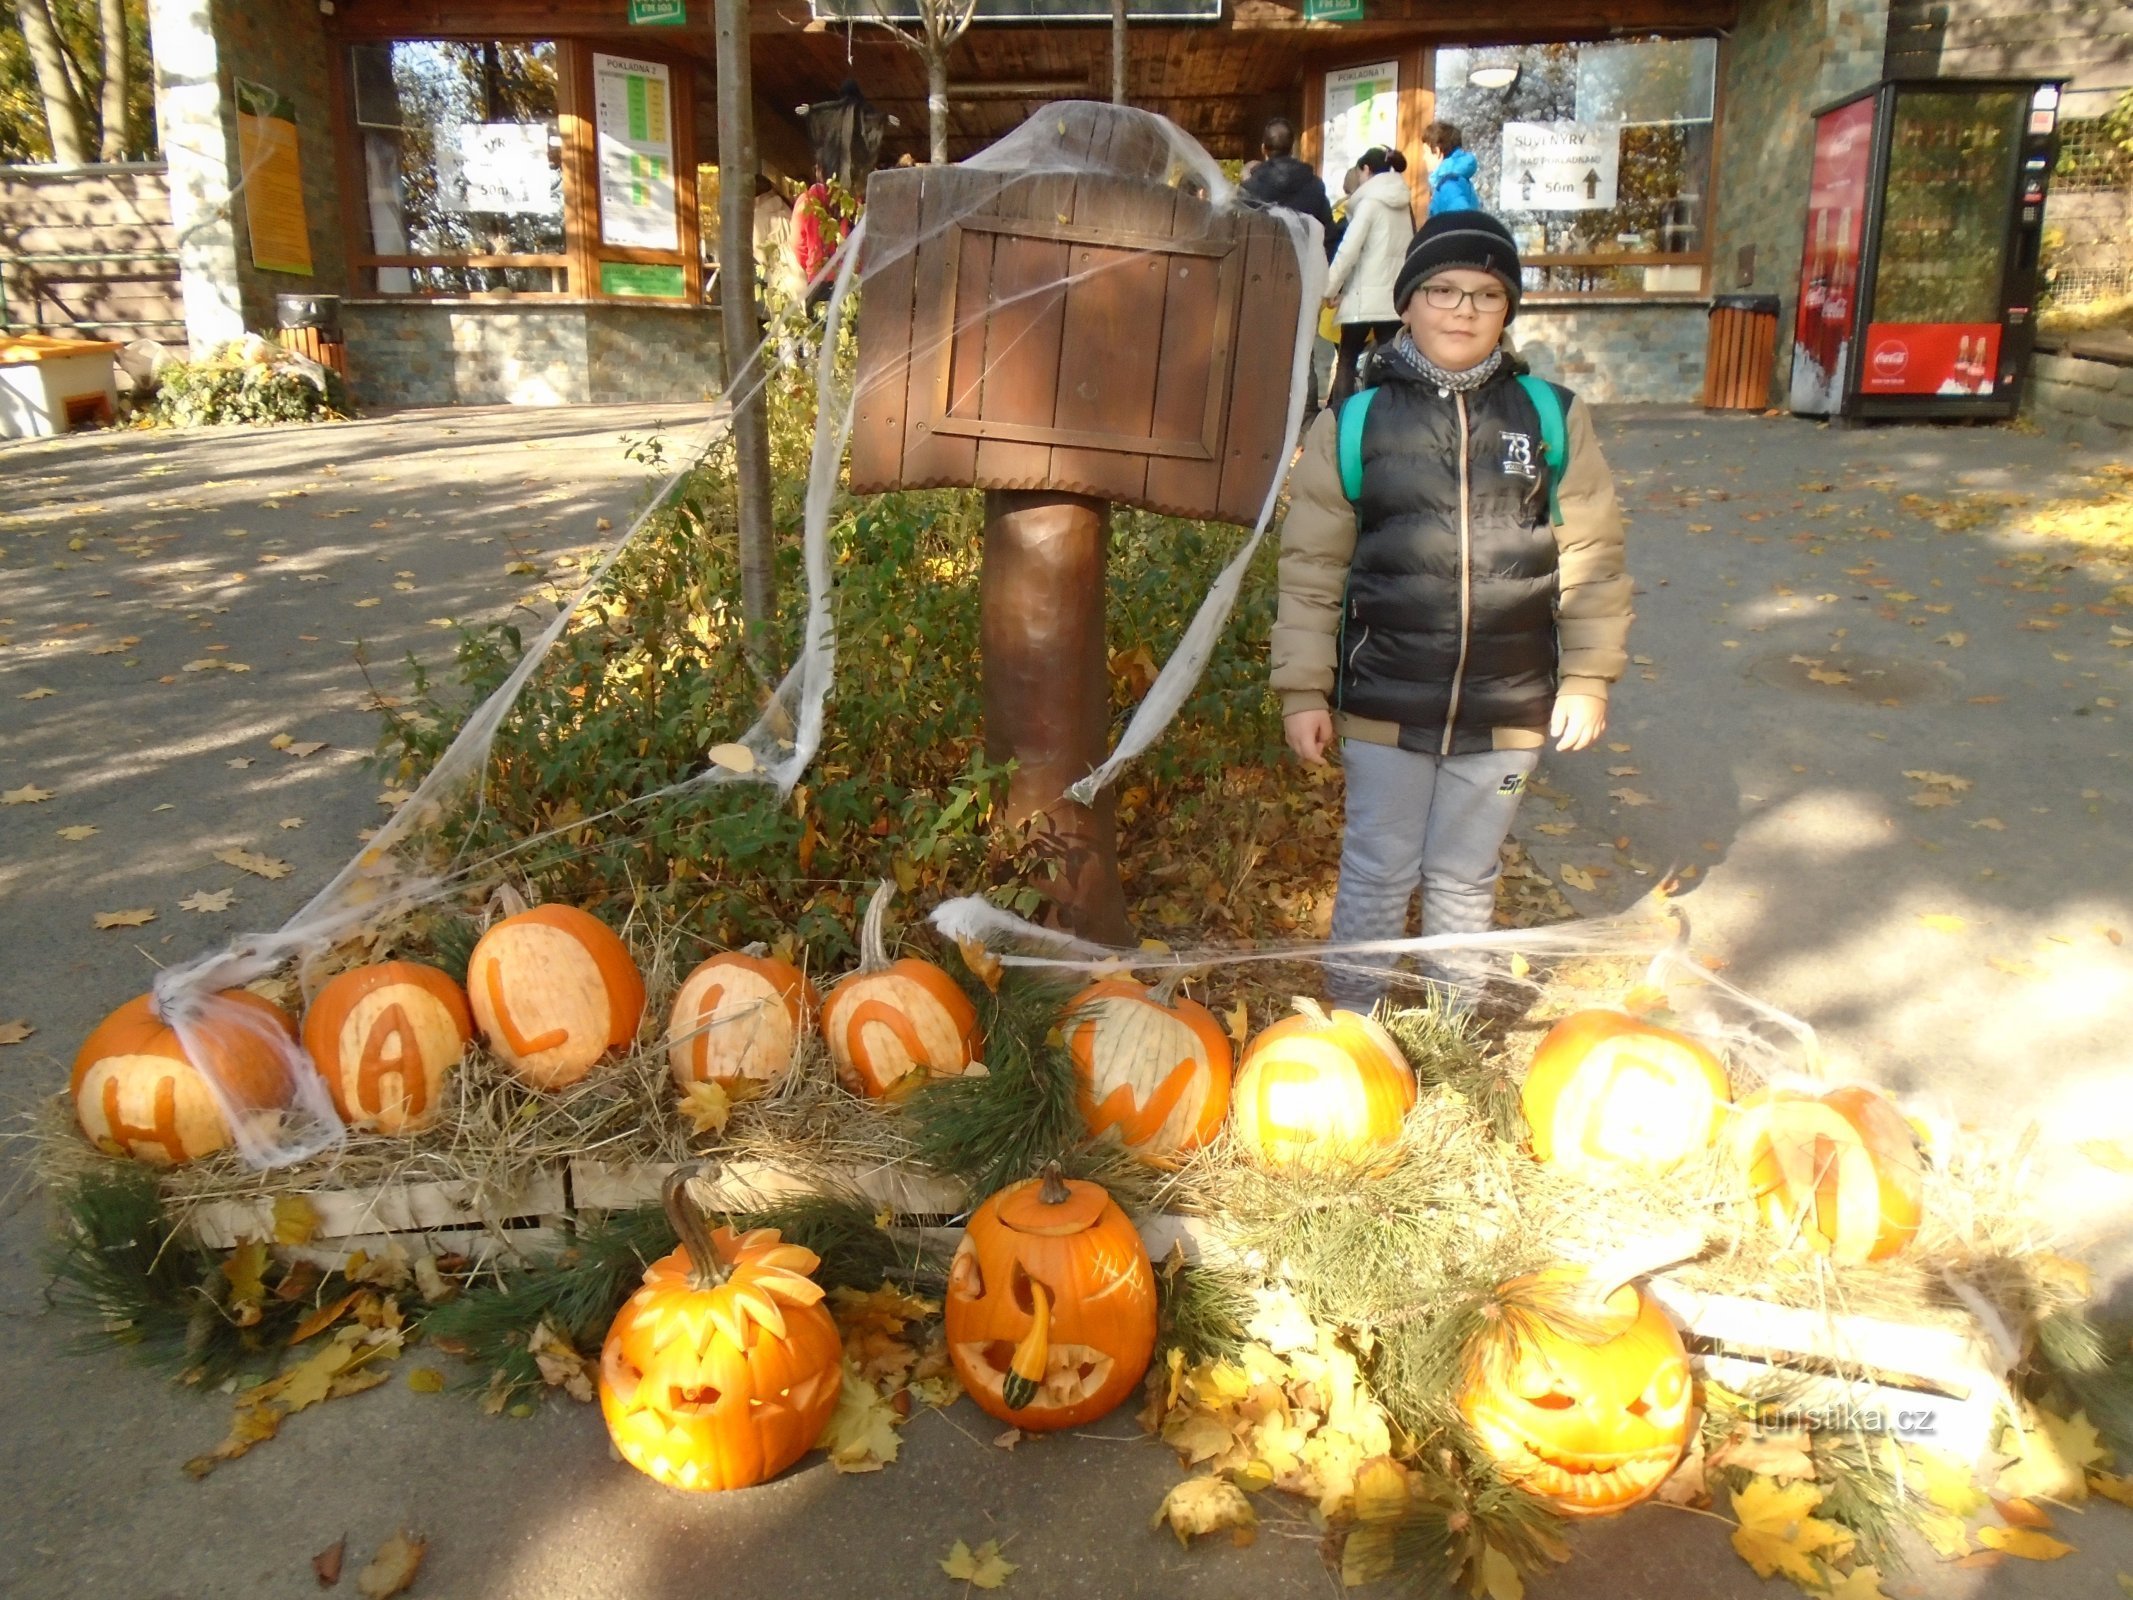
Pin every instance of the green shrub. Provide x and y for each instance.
(227, 387)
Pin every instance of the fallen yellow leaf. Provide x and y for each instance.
(1779, 1533)
(28, 795)
(982, 1568)
(2110, 1154)
(861, 1435)
(393, 1568)
(135, 918)
(1942, 922)
(254, 863)
(706, 1107)
(15, 1032)
(2024, 1542)
(77, 833)
(1205, 1505)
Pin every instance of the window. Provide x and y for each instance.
(1597, 156)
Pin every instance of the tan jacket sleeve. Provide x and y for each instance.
(1593, 603)
(1317, 544)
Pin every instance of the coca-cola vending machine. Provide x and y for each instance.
(1918, 280)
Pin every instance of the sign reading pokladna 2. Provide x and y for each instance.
(1560, 166)
(633, 114)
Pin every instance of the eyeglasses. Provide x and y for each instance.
(1448, 297)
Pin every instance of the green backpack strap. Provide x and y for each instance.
(1555, 437)
(1353, 410)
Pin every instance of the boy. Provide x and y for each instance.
(1453, 624)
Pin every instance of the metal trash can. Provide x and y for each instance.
(311, 326)
(1741, 353)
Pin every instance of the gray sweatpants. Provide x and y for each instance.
(1435, 820)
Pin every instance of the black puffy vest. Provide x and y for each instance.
(1449, 626)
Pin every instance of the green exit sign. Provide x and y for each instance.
(1333, 10)
(669, 13)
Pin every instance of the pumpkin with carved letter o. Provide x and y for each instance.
(1581, 1394)
(723, 1368)
(1840, 1174)
(1157, 1069)
(1050, 1314)
(137, 1093)
(892, 1025)
(553, 990)
(1608, 1094)
(738, 1016)
(385, 1038)
(1321, 1090)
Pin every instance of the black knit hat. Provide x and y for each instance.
(1471, 239)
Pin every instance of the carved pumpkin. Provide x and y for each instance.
(1841, 1173)
(553, 990)
(1321, 1091)
(892, 1025)
(385, 1038)
(1051, 1304)
(1581, 1395)
(1608, 1091)
(1154, 1067)
(738, 1016)
(136, 1092)
(723, 1368)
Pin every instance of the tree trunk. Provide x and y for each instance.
(937, 99)
(743, 335)
(1118, 52)
(118, 78)
(63, 117)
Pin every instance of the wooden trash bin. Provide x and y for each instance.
(1742, 352)
(311, 327)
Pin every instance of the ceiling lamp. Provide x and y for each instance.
(1494, 69)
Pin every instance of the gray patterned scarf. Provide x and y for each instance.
(1402, 353)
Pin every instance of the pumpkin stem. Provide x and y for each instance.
(1052, 1187)
(1166, 988)
(873, 946)
(1640, 1258)
(757, 950)
(706, 1271)
(1307, 1007)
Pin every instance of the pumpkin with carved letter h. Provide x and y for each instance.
(385, 1038)
(1609, 1094)
(1580, 1391)
(1321, 1091)
(739, 1017)
(1840, 1174)
(553, 990)
(1151, 1064)
(137, 1092)
(723, 1368)
(1050, 1312)
(891, 1026)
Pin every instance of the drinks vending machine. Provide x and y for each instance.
(1918, 280)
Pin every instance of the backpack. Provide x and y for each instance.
(1555, 440)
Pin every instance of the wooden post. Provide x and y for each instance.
(1047, 689)
(1118, 52)
(742, 334)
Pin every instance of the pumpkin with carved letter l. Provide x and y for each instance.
(1840, 1174)
(723, 1368)
(1609, 1094)
(1153, 1065)
(385, 1038)
(739, 1016)
(553, 990)
(138, 1094)
(891, 1026)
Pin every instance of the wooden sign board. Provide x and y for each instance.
(1084, 335)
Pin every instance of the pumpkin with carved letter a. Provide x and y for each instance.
(1320, 1090)
(1580, 1392)
(385, 1038)
(1153, 1065)
(1840, 1174)
(723, 1368)
(138, 1093)
(553, 990)
(891, 1026)
(1608, 1094)
(1050, 1313)
(739, 1016)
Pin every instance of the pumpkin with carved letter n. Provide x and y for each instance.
(1578, 1391)
(1840, 1174)
(723, 1368)
(1321, 1090)
(739, 1017)
(1152, 1065)
(1609, 1094)
(891, 1026)
(137, 1093)
(385, 1038)
(553, 990)
(1050, 1313)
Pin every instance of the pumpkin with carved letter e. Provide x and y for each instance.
(385, 1038)
(1152, 1064)
(739, 1017)
(1321, 1090)
(892, 1026)
(137, 1092)
(553, 990)
(1050, 1313)
(1608, 1094)
(1840, 1174)
(723, 1368)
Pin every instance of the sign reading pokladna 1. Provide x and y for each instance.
(1560, 166)
(633, 115)
(1362, 110)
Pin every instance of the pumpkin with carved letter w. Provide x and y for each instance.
(1154, 1066)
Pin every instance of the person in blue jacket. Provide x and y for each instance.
(1451, 171)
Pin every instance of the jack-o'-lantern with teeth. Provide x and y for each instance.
(1051, 1304)
(723, 1368)
(1579, 1391)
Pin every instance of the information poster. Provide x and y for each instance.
(633, 115)
(1829, 266)
(498, 167)
(1560, 166)
(273, 180)
(1362, 110)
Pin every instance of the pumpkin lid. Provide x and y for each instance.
(1052, 1206)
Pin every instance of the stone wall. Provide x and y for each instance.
(1650, 352)
(2084, 388)
(412, 353)
(654, 353)
(93, 210)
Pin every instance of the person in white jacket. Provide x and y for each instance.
(1381, 220)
